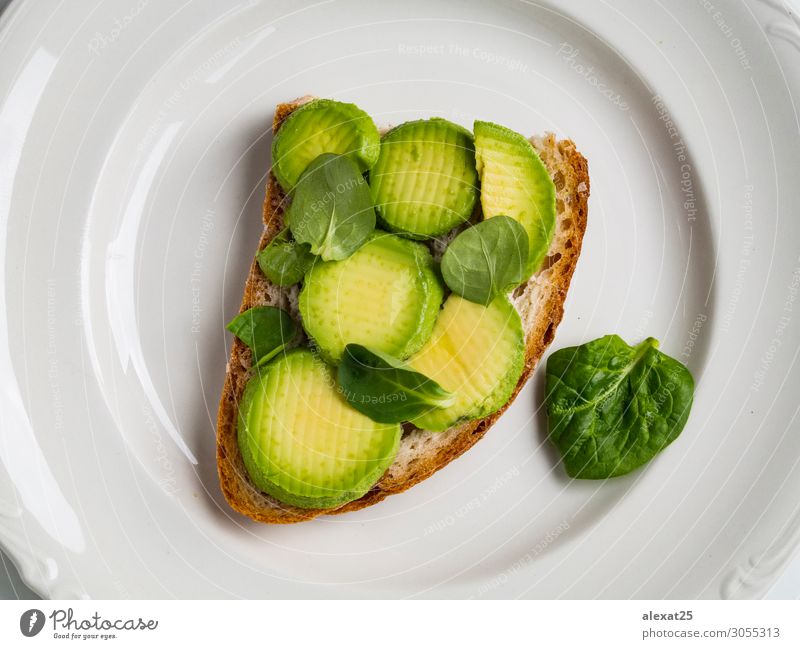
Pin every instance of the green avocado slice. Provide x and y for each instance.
(323, 126)
(385, 296)
(515, 182)
(425, 182)
(302, 443)
(478, 353)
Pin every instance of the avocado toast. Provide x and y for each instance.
(418, 452)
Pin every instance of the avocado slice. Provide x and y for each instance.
(385, 296)
(302, 443)
(323, 126)
(476, 352)
(515, 182)
(425, 182)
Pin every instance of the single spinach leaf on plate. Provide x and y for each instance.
(383, 388)
(266, 330)
(284, 261)
(331, 208)
(486, 259)
(612, 407)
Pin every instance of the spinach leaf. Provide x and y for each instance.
(331, 208)
(487, 259)
(612, 407)
(384, 389)
(266, 330)
(284, 261)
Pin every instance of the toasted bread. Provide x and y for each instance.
(540, 303)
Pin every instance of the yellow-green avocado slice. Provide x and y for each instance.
(302, 443)
(425, 182)
(476, 352)
(515, 182)
(323, 126)
(385, 296)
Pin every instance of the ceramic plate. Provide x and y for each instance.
(134, 146)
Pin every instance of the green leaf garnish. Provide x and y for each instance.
(486, 260)
(284, 261)
(331, 208)
(384, 389)
(266, 330)
(612, 407)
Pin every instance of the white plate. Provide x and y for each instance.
(134, 142)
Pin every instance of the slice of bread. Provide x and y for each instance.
(540, 303)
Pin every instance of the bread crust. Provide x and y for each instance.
(540, 303)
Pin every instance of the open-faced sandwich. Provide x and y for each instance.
(403, 291)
